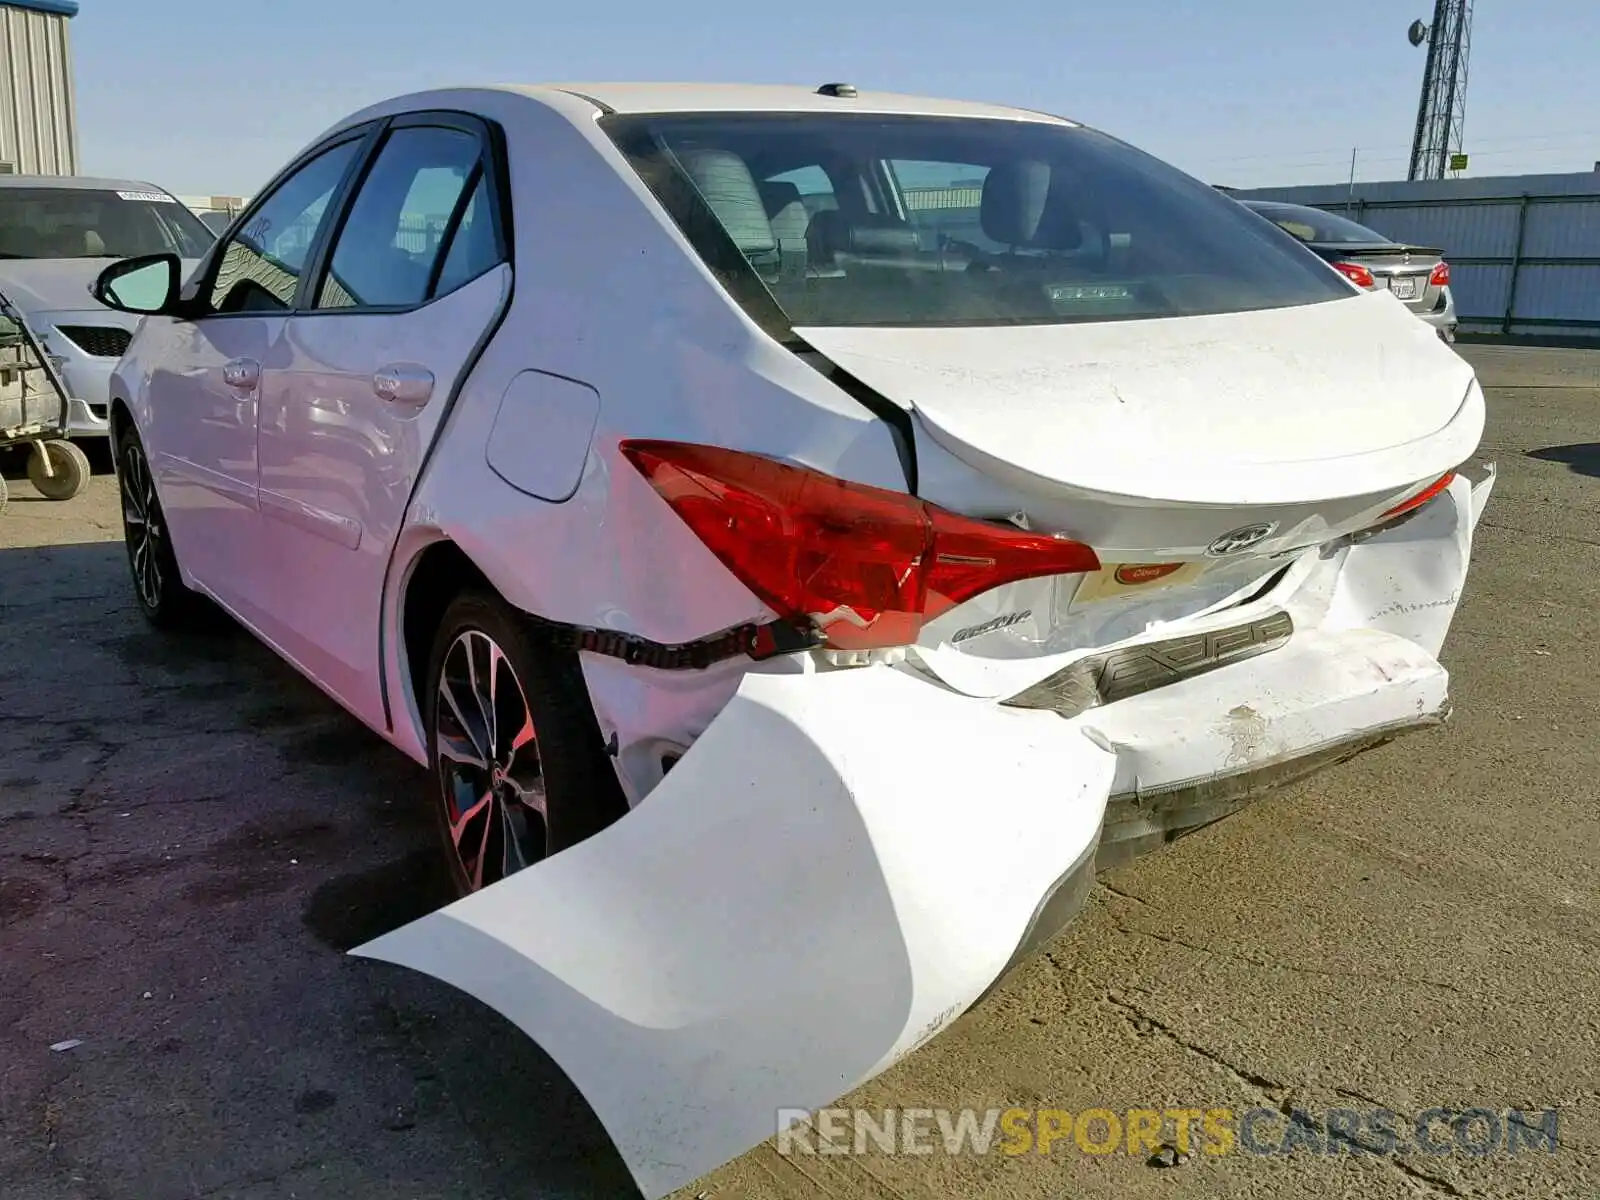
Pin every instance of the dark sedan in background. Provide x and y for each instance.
(1417, 276)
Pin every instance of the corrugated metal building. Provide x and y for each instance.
(38, 119)
(1524, 250)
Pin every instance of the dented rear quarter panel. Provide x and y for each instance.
(608, 294)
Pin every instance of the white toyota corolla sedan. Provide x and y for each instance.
(803, 534)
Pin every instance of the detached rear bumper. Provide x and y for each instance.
(837, 868)
(844, 862)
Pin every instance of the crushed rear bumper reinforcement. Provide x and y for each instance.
(1117, 674)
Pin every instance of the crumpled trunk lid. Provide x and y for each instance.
(1197, 455)
(1284, 406)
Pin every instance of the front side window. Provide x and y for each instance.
(934, 221)
(384, 256)
(262, 263)
(96, 223)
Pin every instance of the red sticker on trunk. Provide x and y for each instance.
(1135, 573)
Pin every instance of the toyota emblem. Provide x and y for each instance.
(1242, 538)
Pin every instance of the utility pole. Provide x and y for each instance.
(1442, 107)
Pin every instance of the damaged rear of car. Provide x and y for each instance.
(1169, 515)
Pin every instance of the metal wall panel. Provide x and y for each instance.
(1570, 230)
(1558, 292)
(1480, 288)
(38, 117)
(1461, 231)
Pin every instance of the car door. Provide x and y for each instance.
(406, 287)
(200, 428)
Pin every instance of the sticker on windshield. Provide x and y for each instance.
(1062, 293)
(147, 197)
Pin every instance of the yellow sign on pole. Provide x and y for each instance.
(1458, 162)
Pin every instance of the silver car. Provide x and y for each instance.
(1418, 276)
(56, 235)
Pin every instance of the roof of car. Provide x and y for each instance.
(746, 97)
(86, 183)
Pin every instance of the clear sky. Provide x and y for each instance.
(210, 96)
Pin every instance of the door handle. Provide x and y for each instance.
(242, 373)
(403, 383)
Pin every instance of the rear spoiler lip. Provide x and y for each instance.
(1381, 249)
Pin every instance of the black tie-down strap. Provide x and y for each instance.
(756, 641)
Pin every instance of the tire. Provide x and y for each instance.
(158, 588)
(520, 808)
(69, 470)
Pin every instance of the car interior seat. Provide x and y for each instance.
(790, 219)
(729, 190)
(1026, 209)
(66, 241)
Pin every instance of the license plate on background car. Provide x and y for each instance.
(1404, 287)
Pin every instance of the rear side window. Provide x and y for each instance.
(385, 254)
(929, 221)
(473, 248)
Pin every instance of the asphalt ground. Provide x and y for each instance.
(190, 836)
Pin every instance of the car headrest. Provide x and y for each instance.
(777, 195)
(730, 190)
(1023, 205)
(833, 232)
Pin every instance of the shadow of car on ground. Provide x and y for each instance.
(190, 837)
(1582, 457)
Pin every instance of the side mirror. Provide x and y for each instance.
(147, 285)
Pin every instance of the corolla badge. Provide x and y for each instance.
(1242, 538)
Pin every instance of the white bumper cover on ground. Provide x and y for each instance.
(837, 868)
(844, 862)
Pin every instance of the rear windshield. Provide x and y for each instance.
(1314, 225)
(935, 221)
(90, 223)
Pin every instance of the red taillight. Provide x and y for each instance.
(1422, 497)
(1355, 273)
(865, 565)
(1440, 276)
